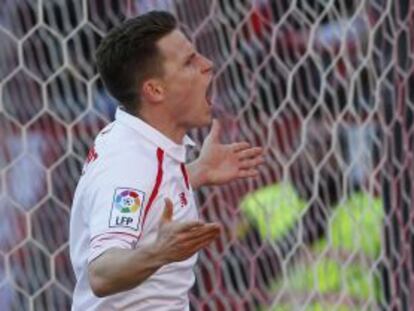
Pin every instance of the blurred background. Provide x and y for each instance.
(325, 86)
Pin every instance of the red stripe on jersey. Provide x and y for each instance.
(155, 189)
(100, 243)
(184, 171)
(99, 236)
(106, 238)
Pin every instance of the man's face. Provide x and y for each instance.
(187, 76)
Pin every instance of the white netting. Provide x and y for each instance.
(325, 86)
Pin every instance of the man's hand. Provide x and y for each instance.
(118, 269)
(220, 163)
(179, 241)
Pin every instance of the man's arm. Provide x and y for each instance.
(219, 163)
(122, 269)
(118, 270)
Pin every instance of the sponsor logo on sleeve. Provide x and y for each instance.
(127, 207)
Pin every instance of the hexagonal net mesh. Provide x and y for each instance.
(325, 86)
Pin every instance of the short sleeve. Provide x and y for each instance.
(118, 199)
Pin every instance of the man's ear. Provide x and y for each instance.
(153, 90)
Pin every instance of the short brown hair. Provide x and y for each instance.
(128, 55)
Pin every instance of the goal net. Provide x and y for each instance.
(325, 86)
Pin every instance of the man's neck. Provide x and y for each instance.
(163, 124)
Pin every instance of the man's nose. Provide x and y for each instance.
(207, 65)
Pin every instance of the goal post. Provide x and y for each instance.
(397, 182)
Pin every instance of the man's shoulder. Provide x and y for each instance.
(117, 142)
(124, 157)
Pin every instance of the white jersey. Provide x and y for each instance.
(119, 201)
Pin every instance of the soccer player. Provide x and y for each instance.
(134, 231)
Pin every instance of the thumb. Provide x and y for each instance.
(168, 212)
(215, 130)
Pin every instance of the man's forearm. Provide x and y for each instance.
(119, 270)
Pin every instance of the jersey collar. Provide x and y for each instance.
(178, 152)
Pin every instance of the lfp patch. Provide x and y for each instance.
(127, 208)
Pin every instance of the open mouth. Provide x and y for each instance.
(209, 94)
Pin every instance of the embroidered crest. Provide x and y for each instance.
(126, 208)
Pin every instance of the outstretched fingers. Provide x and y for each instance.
(206, 229)
(201, 242)
(168, 211)
(248, 173)
(201, 238)
(249, 153)
(251, 163)
(188, 226)
(240, 146)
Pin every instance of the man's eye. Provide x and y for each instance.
(190, 60)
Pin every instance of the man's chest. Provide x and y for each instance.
(177, 188)
(174, 186)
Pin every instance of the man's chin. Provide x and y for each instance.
(204, 121)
